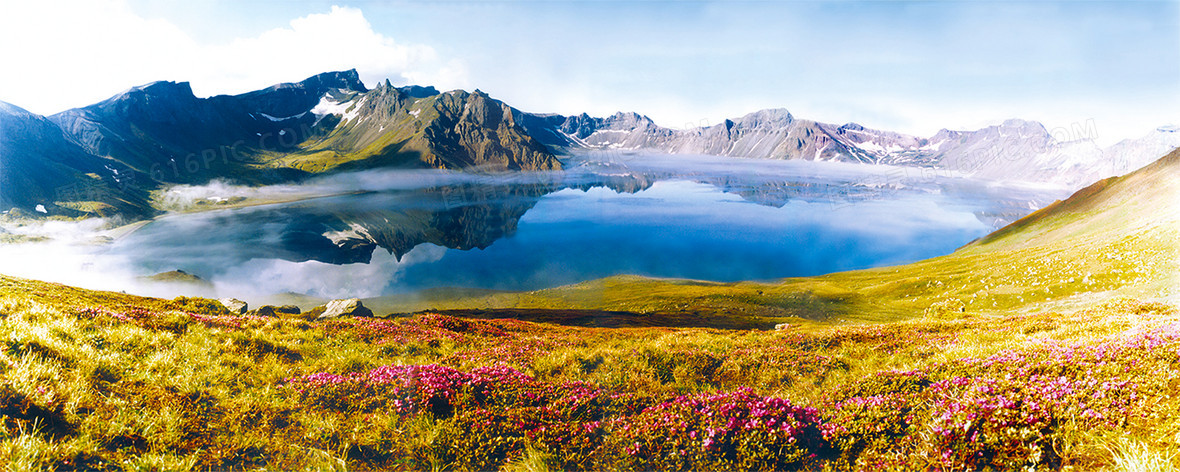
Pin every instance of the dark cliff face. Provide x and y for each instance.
(420, 127)
(545, 128)
(161, 133)
(284, 100)
(581, 126)
(474, 130)
(39, 166)
(163, 130)
(149, 125)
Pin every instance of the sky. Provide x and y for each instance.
(1109, 70)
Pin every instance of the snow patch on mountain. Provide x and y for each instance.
(1015, 150)
(272, 118)
(328, 106)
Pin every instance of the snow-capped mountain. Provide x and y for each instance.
(160, 133)
(395, 125)
(1131, 154)
(1013, 150)
(322, 123)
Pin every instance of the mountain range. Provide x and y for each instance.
(105, 158)
(1014, 150)
(117, 150)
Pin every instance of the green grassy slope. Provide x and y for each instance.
(105, 381)
(392, 127)
(1110, 208)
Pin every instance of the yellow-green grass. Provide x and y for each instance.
(349, 144)
(84, 387)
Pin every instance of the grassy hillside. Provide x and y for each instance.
(1043, 346)
(104, 381)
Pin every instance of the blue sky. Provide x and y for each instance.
(913, 67)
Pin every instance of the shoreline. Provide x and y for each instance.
(122, 231)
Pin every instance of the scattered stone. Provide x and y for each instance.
(347, 307)
(313, 314)
(288, 310)
(782, 326)
(234, 305)
(275, 311)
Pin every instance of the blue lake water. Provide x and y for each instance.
(686, 229)
(700, 218)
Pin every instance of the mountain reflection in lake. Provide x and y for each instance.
(667, 216)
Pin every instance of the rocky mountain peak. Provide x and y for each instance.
(483, 110)
(1018, 123)
(1027, 129)
(415, 91)
(347, 80)
(629, 120)
(162, 89)
(769, 118)
(851, 127)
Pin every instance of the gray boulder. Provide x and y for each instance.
(271, 310)
(346, 307)
(288, 310)
(235, 306)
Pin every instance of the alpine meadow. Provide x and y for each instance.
(384, 267)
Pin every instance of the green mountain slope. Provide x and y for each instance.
(416, 126)
(106, 158)
(163, 130)
(1108, 208)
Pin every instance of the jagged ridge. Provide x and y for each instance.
(161, 133)
(1013, 150)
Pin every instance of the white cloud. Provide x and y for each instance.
(58, 56)
(338, 40)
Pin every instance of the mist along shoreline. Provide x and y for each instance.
(121, 231)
